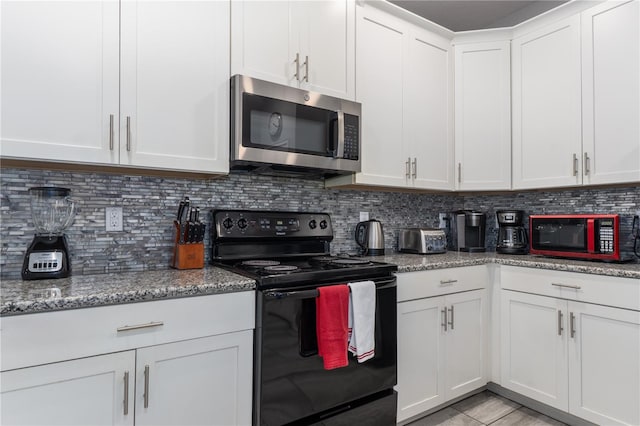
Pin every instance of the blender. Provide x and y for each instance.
(48, 255)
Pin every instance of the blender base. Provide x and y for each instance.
(46, 258)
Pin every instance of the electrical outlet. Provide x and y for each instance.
(364, 216)
(113, 218)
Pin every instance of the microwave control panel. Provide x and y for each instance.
(351, 137)
(606, 235)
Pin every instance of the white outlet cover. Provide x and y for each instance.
(113, 218)
(364, 216)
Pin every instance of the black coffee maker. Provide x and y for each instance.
(512, 236)
(468, 229)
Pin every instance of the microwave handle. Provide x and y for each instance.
(339, 152)
(591, 240)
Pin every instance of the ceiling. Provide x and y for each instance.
(466, 15)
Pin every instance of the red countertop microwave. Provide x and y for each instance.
(581, 236)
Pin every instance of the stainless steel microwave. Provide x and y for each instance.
(282, 130)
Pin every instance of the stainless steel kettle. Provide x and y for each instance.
(370, 237)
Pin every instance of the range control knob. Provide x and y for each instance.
(242, 223)
(227, 223)
(313, 224)
(323, 224)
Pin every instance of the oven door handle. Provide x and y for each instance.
(310, 294)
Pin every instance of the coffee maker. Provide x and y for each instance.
(512, 236)
(467, 231)
(48, 254)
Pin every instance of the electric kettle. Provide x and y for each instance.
(370, 237)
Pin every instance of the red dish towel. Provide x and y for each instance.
(332, 309)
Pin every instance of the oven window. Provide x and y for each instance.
(561, 235)
(286, 126)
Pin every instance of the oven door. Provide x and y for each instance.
(291, 383)
(557, 234)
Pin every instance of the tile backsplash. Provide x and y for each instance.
(150, 205)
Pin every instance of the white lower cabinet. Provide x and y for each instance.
(86, 391)
(196, 381)
(582, 358)
(441, 340)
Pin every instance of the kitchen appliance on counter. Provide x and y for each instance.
(288, 254)
(512, 236)
(279, 129)
(468, 229)
(422, 240)
(52, 211)
(370, 237)
(605, 237)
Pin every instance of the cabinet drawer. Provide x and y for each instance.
(600, 289)
(41, 338)
(417, 285)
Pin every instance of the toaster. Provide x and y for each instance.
(422, 240)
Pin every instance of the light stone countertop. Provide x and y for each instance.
(82, 291)
(22, 297)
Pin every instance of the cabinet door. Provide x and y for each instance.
(428, 109)
(175, 85)
(483, 116)
(60, 70)
(328, 57)
(604, 364)
(465, 343)
(547, 144)
(421, 382)
(534, 347)
(86, 391)
(196, 382)
(262, 41)
(379, 55)
(611, 92)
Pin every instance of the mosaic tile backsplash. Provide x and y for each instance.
(150, 205)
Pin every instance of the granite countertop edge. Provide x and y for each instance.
(83, 291)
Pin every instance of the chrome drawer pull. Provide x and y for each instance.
(139, 326)
(445, 282)
(575, 287)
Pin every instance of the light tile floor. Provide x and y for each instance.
(486, 408)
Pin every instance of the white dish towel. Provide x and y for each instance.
(362, 319)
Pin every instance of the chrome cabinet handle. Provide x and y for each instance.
(444, 318)
(110, 132)
(587, 168)
(415, 167)
(572, 324)
(297, 62)
(575, 165)
(139, 326)
(126, 393)
(451, 320)
(306, 69)
(560, 329)
(407, 168)
(146, 386)
(445, 282)
(575, 287)
(459, 172)
(128, 133)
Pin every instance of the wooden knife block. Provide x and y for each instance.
(187, 255)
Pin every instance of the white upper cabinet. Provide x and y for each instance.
(143, 84)
(306, 44)
(611, 92)
(547, 144)
(59, 80)
(405, 84)
(483, 116)
(428, 109)
(175, 85)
